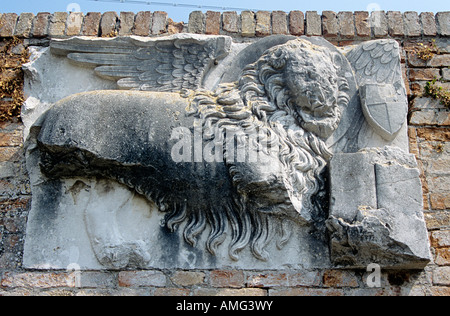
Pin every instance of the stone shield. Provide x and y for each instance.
(384, 109)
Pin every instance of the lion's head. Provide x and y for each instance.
(301, 79)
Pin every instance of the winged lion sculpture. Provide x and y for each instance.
(267, 130)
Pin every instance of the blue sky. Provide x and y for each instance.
(182, 13)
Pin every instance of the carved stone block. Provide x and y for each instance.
(376, 210)
(194, 152)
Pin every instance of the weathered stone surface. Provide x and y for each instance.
(230, 22)
(416, 74)
(7, 24)
(296, 23)
(248, 24)
(197, 22)
(74, 23)
(441, 276)
(159, 22)
(313, 24)
(24, 24)
(213, 23)
(443, 23)
(57, 24)
(382, 227)
(330, 24)
(346, 24)
(263, 23)
(126, 23)
(40, 24)
(362, 24)
(135, 215)
(379, 23)
(187, 278)
(91, 24)
(428, 23)
(395, 23)
(431, 117)
(109, 24)
(412, 24)
(141, 278)
(384, 109)
(143, 22)
(279, 22)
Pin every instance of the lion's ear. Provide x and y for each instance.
(278, 58)
(338, 60)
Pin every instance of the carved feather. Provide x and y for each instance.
(376, 61)
(161, 64)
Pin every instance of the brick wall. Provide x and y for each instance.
(428, 132)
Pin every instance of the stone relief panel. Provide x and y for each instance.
(194, 151)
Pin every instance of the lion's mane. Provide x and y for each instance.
(261, 101)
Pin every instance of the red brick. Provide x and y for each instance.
(229, 292)
(271, 279)
(142, 23)
(91, 24)
(227, 278)
(142, 279)
(187, 278)
(40, 24)
(305, 278)
(171, 292)
(416, 74)
(339, 278)
(304, 291)
(435, 61)
(38, 280)
(296, 23)
(279, 22)
(212, 23)
(362, 24)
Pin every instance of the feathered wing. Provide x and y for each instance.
(377, 61)
(158, 64)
